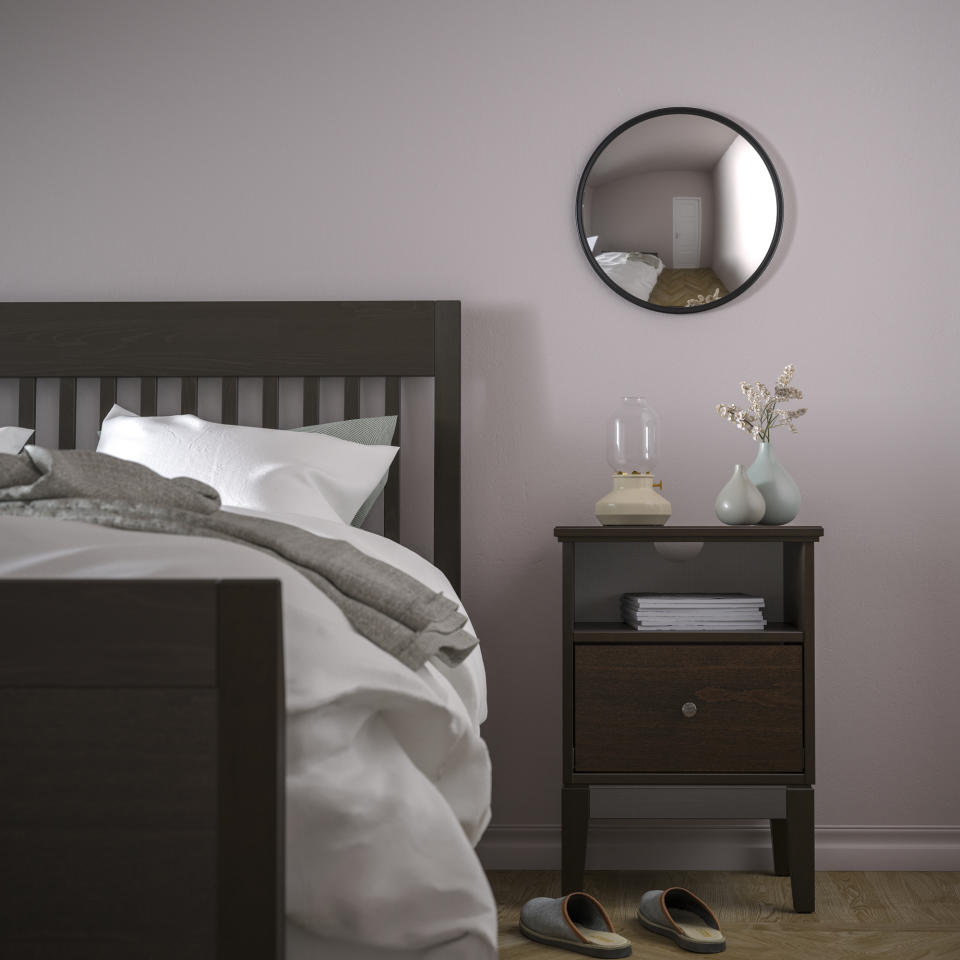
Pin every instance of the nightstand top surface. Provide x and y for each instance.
(598, 533)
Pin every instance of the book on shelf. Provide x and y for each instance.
(687, 600)
(698, 628)
(692, 611)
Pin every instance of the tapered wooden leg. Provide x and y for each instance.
(575, 820)
(800, 847)
(781, 858)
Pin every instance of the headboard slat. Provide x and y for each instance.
(271, 402)
(229, 400)
(148, 396)
(391, 493)
(311, 401)
(27, 409)
(108, 395)
(189, 394)
(351, 398)
(68, 413)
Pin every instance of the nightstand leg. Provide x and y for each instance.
(800, 847)
(575, 820)
(781, 858)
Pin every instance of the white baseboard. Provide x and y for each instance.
(720, 845)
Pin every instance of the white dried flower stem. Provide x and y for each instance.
(763, 414)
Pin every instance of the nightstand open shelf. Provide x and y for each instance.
(609, 631)
(651, 719)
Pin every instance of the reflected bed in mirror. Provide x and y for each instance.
(679, 210)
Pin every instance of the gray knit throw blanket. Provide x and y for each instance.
(387, 606)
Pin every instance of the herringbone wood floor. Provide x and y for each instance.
(675, 287)
(860, 916)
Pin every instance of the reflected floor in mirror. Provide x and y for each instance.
(675, 287)
(902, 915)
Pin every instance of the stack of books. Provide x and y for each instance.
(692, 611)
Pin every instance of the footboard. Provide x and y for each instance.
(141, 770)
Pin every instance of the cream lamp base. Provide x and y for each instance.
(633, 502)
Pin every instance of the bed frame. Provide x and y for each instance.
(142, 722)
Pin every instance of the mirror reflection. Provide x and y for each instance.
(679, 210)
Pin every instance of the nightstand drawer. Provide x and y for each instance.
(688, 708)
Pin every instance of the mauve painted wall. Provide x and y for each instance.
(432, 149)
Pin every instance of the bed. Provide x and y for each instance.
(199, 756)
(637, 273)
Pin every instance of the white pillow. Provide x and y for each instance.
(262, 469)
(12, 439)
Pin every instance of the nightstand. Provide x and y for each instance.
(672, 724)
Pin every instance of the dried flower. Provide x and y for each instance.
(763, 414)
(700, 298)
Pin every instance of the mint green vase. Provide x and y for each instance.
(780, 491)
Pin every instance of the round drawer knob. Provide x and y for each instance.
(689, 709)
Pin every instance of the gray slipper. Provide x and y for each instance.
(575, 922)
(684, 918)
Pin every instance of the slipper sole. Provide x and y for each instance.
(586, 949)
(694, 946)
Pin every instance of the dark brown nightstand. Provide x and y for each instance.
(675, 725)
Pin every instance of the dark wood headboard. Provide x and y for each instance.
(268, 339)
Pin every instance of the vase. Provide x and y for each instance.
(739, 501)
(780, 491)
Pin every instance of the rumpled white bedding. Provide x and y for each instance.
(629, 271)
(388, 780)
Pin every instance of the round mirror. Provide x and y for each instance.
(679, 210)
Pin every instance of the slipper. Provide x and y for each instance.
(576, 922)
(684, 918)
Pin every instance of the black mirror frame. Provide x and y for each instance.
(695, 111)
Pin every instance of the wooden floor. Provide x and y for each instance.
(900, 916)
(675, 287)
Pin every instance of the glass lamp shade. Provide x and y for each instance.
(633, 436)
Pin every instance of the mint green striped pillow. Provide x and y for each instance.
(373, 430)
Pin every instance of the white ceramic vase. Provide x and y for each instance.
(780, 491)
(739, 501)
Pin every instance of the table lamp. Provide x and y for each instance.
(633, 437)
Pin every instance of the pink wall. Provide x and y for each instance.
(385, 150)
(636, 212)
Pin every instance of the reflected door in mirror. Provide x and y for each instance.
(686, 232)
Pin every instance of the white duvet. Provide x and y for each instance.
(637, 273)
(388, 780)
